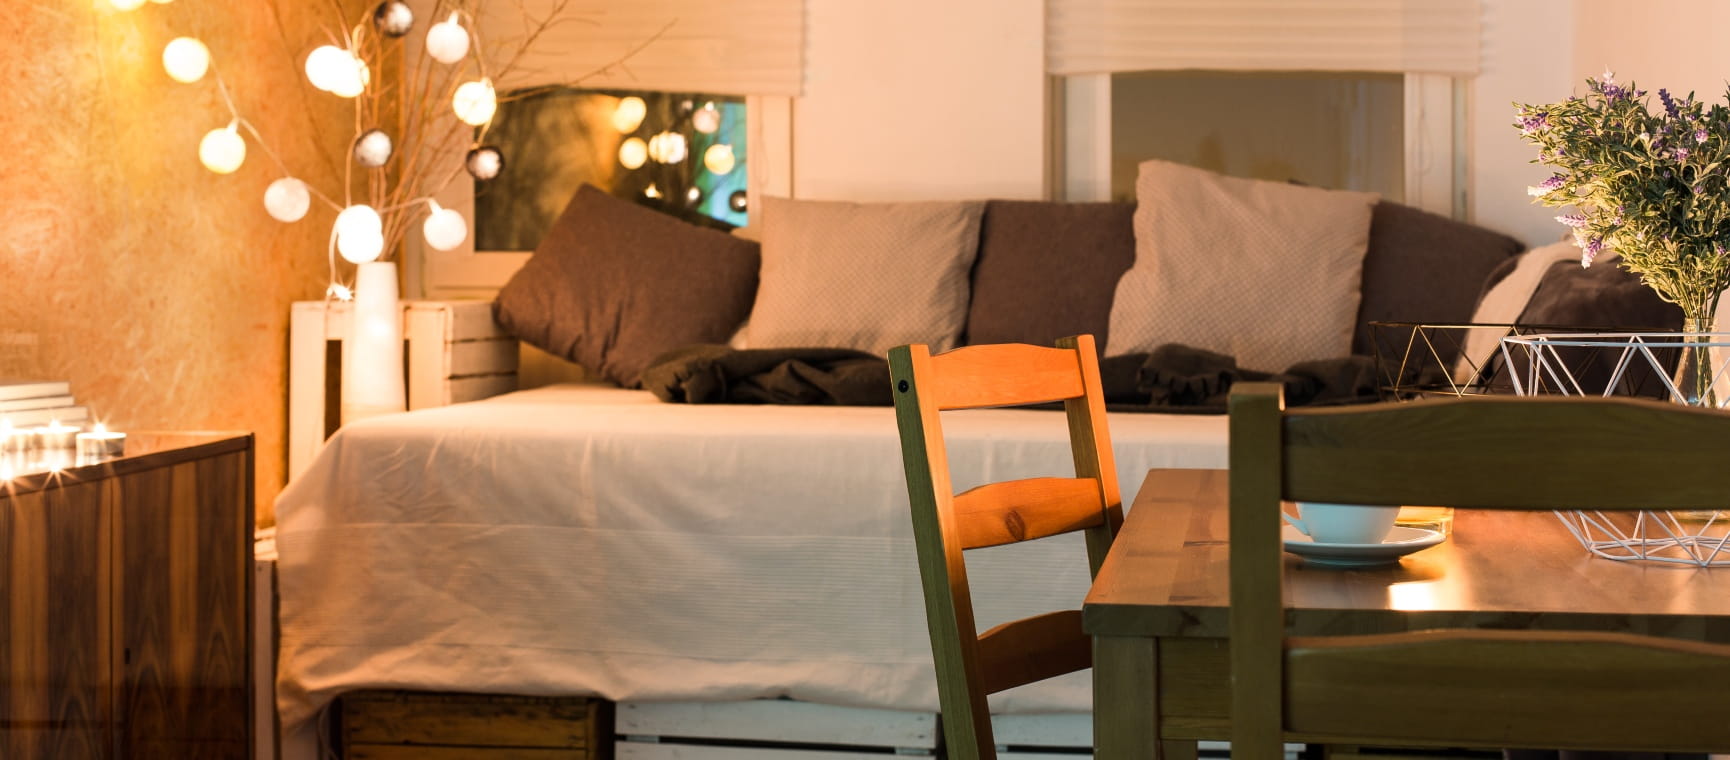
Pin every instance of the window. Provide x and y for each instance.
(681, 153)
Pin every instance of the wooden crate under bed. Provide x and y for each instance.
(397, 725)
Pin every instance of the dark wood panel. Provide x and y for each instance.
(390, 724)
(185, 545)
(55, 634)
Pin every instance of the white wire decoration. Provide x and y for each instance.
(1550, 364)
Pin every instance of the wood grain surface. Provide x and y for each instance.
(124, 596)
(393, 724)
(1168, 577)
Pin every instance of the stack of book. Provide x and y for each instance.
(29, 403)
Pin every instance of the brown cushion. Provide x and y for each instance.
(1603, 295)
(614, 284)
(1047, 270)
(1421, 267)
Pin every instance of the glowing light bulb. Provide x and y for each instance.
(667, 147)
(651, 191)
(444, 228)
(360, 248)
(352, 77)
(222, 150)
(286, 200)
(186, 59)
(629, 115)
(126, 5)
(324, 66)
(339, 292)
(633, 153)
(707, 119)
(447, 41)
(475, 102)
(359, 220)
(719, 159)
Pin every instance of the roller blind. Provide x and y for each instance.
(1412, 36)
(744, 47)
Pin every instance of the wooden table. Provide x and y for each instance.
(1158, 611)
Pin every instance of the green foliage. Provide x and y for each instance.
(1653, 186)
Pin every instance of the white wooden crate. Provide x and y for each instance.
(454, 352)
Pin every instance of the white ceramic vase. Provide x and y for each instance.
(372, 366)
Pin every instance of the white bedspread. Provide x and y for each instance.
(575, 539)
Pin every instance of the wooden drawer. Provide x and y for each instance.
(388, 725)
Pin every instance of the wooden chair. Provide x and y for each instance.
(1484, 688)
(970, 665)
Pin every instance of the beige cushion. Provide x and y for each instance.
(1267, 272)
(866, 276)
(1503, 303)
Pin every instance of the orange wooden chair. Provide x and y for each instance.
(971, 665)
(1468, 688)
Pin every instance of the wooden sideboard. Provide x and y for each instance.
(124, 595)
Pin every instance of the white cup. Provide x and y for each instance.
(1343, 523)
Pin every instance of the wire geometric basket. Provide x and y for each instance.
(1425, 359)
(1611, 364)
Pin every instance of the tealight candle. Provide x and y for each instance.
(14, 441)
(55, 436)
(100, 444)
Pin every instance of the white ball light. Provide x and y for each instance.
(358, 221)
(126, 5)
(392, 18)
(629, 115)
(352, 77)
(372, 149)
(360, 248)
(719, 159)
(707, 119)
(475, 102)
(287, 199)
(667, 147)
(186, 59)
(324, 66)
(633, 153)
(444, 228)
(447, 41)
(222, 150)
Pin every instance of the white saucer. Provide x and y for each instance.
(1399, 543)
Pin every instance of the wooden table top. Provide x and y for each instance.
(1167, 576)
(144, 450)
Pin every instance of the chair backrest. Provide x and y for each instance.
(970, 666)
(1533, 453)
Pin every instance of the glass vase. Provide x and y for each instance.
(1695, 369)
(1695, 373)
(372, 367)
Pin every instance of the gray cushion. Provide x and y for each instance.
(1421, 267)
(614, 285)
(1047, 270)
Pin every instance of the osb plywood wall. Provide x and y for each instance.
(159, 289)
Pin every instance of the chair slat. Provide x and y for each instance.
(1017, 510)
(1004, 375)
(1033, 649)
(1397, 454)
(1414, 685)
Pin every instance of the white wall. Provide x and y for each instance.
(921, 99)
(1675, 44)
(1527, 58)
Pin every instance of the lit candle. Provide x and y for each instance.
(14, 441)
(100, 445)
(56, 436)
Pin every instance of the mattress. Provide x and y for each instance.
(587, 540)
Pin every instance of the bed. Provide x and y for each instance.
(579, 539)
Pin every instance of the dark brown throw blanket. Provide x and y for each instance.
(1173, 378)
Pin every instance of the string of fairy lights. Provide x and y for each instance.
(359, 232)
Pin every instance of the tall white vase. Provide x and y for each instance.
(372, 368)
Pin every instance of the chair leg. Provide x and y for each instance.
(1177, 750)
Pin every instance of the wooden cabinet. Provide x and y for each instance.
(124, 590)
